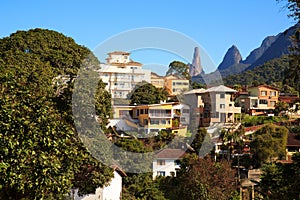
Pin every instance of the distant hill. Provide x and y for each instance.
(268, 73)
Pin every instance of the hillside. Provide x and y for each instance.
(267, 73)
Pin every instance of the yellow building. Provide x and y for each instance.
(176, 85)
(154, 117)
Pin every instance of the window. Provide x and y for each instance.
(222, 105)
(154, 121)
(272, 103)
(263, 93)
(161, 173)
(177, 162)
(222, 96)
(185, 111)
(161, 162)
(263, 101)
(273, 93)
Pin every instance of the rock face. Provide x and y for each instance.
(258, 52)
(278, 48)
(232, 57)
(196, 67)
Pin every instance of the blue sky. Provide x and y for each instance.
(214, 25)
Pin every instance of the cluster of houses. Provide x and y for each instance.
(203, 107)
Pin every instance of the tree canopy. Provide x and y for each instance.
(40, 152)
(146, 93)
(180, 69)
(281, 181)
(269, 143)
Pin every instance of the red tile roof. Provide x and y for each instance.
(293, 141)
(170, 153)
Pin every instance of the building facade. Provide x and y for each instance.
(213, 105)
(260, 100)
(176, 85)
(167, 162)
(157, 81)
(120, 74)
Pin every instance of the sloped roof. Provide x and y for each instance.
(119, 53)
(267, 86)
(293, 140)
(170, 153)
(196, 91)
(220, 88)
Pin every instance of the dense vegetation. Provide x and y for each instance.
(269, 143)
(268, 73)
(146, 93)
(40, 153)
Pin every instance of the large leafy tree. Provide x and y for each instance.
(41, 155)
(269, 143)
(146, 93)
(180, 69)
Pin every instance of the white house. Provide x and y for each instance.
(167, 162)
(111, 192)
(120, 74)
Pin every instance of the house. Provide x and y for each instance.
(151, 118)
(260, 100)
(213, 105)
(175, 85)
(120, 74)
(156, 117)
(112, 191)
(167, 162)
(292, 146)
(157, 81)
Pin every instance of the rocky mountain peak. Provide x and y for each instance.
(231, 57)
(196, 67)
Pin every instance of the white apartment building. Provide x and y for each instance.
(120, 74)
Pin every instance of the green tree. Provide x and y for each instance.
(201, 178)
(276, 181)
(269, 143)
(280, 107)
(40, 152)
(146, 93)
(180, 69)
(142, 187)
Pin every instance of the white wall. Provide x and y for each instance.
(111, 192)
(167, 168)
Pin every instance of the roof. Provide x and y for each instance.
(174, 77)
(170, 154)
(263, 85)
(289, 99)
(119, 53)
(196, 91)
(220, 88)
(155, 75)
(119, 170)
(292, 140)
